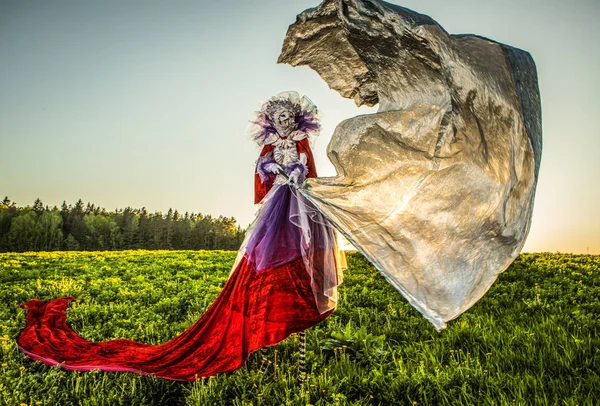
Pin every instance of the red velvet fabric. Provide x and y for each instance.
(262, 188)
(303, 146)
(253, 310)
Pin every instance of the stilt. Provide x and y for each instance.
(302, 357)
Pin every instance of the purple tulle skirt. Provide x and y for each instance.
(289, 227)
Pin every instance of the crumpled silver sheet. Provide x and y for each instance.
(436, 189)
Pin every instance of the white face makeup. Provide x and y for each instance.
(284, 122)
(284, 118)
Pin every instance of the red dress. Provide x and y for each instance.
(254, 310)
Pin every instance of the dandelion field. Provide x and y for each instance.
(533, 339)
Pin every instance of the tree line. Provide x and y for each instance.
(88, 227)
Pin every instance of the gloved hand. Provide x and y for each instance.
(296, 177)
(274, 168)
(293, 178)
(265, 166)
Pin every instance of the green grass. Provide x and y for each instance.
(533, 339)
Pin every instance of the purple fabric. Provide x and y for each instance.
(261, 167)
(267, 128)
(276, 239)
(301, 168)
(307, 122)
(296, 165)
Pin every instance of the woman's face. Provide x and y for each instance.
(284, 118)
(285, 122)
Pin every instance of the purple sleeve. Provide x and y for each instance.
(261, 166)
(301, 168)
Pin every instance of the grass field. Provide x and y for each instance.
(533, 339)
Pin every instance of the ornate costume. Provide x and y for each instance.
(288, 225)
(284, 279)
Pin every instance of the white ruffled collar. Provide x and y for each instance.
(276, 139)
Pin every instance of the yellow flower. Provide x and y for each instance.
(3, 365)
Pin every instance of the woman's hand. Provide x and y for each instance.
(266, 166)
(298, 173)
(293, 178)
(274, 168)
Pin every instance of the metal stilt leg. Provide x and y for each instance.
(302, 357)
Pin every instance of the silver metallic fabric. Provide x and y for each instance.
(436, 189)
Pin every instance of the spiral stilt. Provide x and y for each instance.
(302, 357)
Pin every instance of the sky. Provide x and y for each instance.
(146, 103)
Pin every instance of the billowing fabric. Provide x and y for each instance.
(437, 187)
(283, 281)
(289, 227)
(254, 310)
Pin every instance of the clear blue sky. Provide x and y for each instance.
(145, 103)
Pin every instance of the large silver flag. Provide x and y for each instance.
(436, 189)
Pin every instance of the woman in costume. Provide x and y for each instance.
(284, 279)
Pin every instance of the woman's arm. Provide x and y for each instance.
(263, 177)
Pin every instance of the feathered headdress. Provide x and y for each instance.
(265, 128)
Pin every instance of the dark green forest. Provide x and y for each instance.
(82, 227)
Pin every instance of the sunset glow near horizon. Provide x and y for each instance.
(146, 104)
